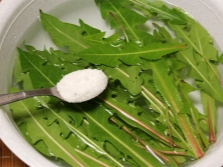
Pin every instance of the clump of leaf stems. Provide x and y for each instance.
(146, 116)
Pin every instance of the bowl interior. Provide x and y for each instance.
(23, 26)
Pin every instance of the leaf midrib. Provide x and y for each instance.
(166, 89)
(202, 76)
(157, 9)
(33, 65)
(123, 19)
(189, 41)
(67, 36)
(134, 53)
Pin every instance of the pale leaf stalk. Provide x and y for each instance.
(194, 143)
(151, 130)
(192, 111)
(91, 158)
(198, 129)
(159, 154)
(170, 124)
(209, 109)
(154, 98)
(150, 150)
(212, 137)
(121, 26)
(124, 20)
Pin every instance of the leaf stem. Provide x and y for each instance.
(121, 26)
(199, 152)
(157, 10)
(215, 72)
(212, 137)
(152, 151)
(137, 121)
(91, 158)
(124, 20)
(170, 125)
(154, 98)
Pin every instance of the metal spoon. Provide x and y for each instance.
(9, 98)
(93, 80)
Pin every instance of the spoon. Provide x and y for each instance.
(75, 87)
(12, 97)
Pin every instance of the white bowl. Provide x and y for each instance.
(16, 17)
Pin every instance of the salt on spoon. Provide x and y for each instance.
(75, 87)
(82, 85)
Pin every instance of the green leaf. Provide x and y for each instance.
(121, 17)
(198, 38)
(129, 54)
(201, 72)
(59, 57)
(87, 29)
(38, 71)
(55, 57)
(64, 34)
(201, 42)
(92, 36)
(129, 77)
(175, 15)
(163, 34)
(95, 39)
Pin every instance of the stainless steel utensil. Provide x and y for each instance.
(12, 97)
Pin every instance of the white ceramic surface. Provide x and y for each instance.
(19, 21)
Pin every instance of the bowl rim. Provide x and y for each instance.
(7, 10)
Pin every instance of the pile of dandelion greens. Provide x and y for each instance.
(146, 116)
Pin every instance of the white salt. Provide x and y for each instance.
(82, 85)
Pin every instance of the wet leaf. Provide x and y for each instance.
(130, 53)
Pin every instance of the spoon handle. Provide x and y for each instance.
(12, 97)
(8, 98)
